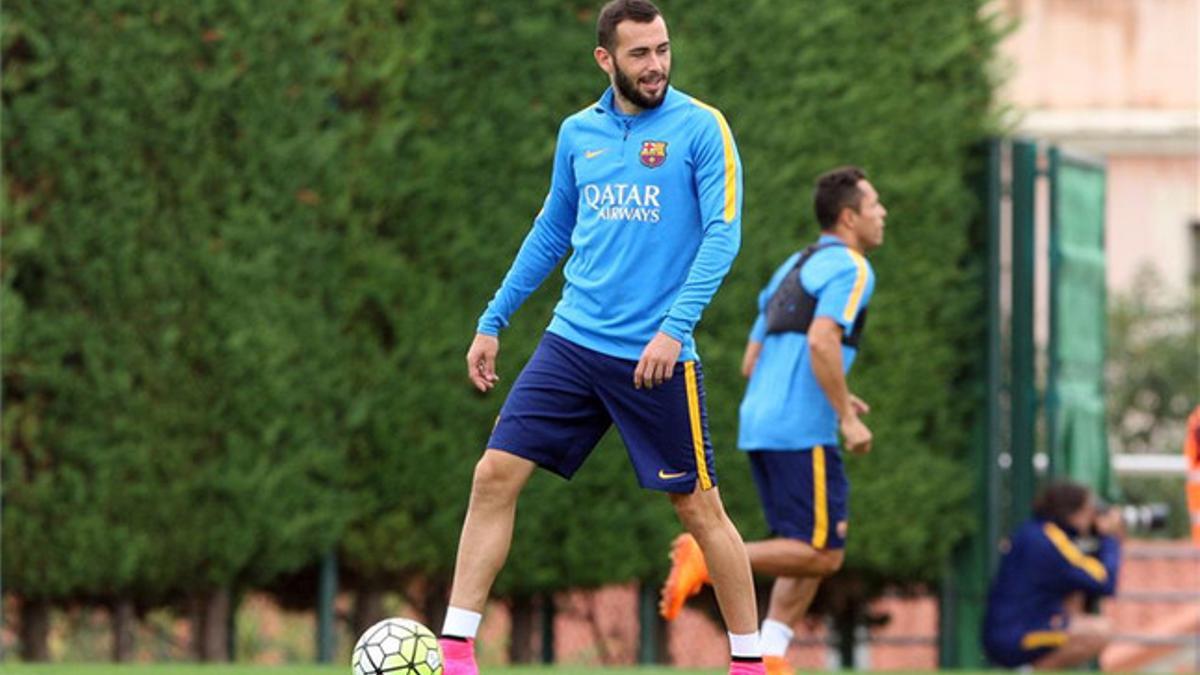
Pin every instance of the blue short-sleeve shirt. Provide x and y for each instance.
(784, 407)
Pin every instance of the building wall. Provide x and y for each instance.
(1087, 54)
(1150, 203)
(1119, 79)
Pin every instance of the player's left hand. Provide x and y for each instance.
(657, 364)
(750, 358)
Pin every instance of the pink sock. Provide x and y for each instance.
(458, 657)
(747, 668)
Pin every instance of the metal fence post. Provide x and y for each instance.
(649, 625)
(1023, 374)
(326, 593)
(964, 585)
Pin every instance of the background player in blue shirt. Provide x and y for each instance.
(811, 316)
(1035, 613)
(646, 193)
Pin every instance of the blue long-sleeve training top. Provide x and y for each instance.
(651, 207)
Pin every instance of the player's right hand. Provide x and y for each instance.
(750, 358)
(481, 361)
(857, 435)
(1110, 523)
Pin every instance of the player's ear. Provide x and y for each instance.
(846, 217)
(604, 59)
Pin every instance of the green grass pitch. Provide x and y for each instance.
(193, 669)
(197, 669)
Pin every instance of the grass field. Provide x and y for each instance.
(196, 669)
(193, 669)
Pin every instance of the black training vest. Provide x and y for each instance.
(791, 308)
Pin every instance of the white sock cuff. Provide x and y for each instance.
(461, 622)
(776, 636)
(745, 645)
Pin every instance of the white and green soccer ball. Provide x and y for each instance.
(400, 646)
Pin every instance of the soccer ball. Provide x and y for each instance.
(400, 646)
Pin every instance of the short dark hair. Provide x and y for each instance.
(837, 190)
(616, 11)
(1059, 500)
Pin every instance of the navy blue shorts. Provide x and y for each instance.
(1018, 646)
(567, 397)
(804, 494)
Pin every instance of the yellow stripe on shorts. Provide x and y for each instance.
(693, 402)
(820, 507)
(1043, 638)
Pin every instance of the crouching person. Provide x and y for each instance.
(1035, 613)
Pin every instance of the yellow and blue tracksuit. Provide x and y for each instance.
(1025, 616)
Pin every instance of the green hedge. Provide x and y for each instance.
(173, 380)
(246, 246)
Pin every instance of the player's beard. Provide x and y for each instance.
(628, 88)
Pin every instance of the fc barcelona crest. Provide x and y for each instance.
(654, 153)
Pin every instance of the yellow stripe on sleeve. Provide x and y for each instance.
(1073, 555)
(730, 161)
(693, 402)
(860, 284)
(821, 524)
(1043, 638)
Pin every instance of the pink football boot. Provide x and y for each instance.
(458, 657)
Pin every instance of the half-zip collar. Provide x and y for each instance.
(608, 104)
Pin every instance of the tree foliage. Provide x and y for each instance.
(171, 380)
(1153, 374)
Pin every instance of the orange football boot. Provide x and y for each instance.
(688, 575)
(778, 665)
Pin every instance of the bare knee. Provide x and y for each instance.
(1087, 638)
(830, 561)
(1092, 632)
(497, 479)
(1097, 643)
(699, 511)
(1078, 649)
(814, 562)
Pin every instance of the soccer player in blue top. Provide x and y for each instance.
(1035, 612)
(811, 317)
(646, 196)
